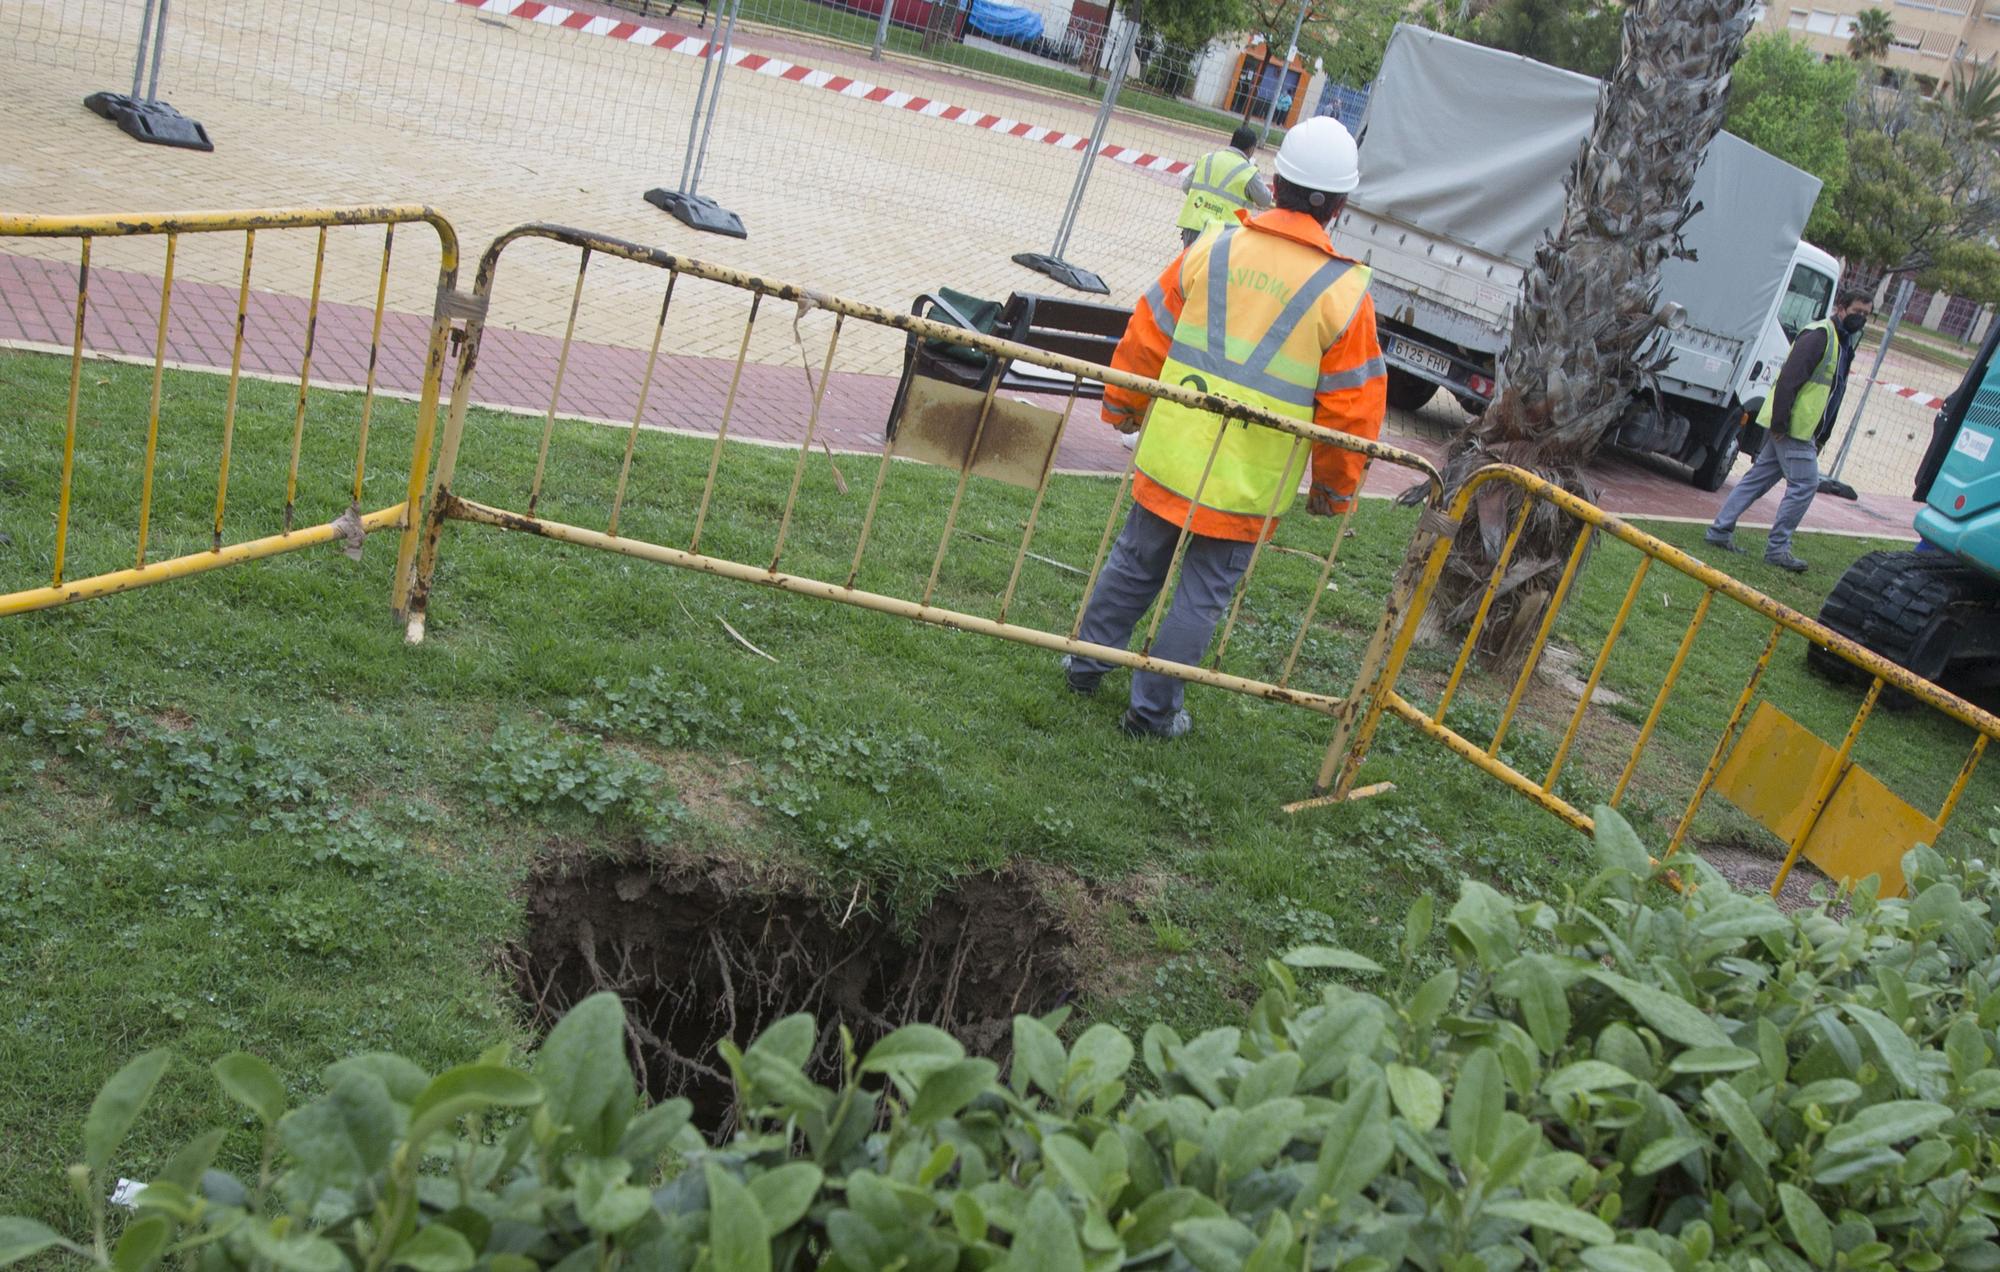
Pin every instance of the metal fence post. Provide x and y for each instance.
(882, 30)
(1901, 302)
(146, 118)
(1053, 263)
(684, 203)
(1284, 69)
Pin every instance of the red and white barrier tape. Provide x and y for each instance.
(696, 46)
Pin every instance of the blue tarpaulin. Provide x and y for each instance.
(1004, 21)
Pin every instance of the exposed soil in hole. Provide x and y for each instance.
(700, 955)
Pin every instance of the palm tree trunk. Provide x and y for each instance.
(1578, 351)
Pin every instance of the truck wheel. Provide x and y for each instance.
(1408, 392)
(1723, 448)
(1909, 607)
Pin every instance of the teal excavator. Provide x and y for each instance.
(1936, 609)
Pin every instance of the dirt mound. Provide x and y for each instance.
(699, 957)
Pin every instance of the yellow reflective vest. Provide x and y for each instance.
(1221, 185)
(1258, 315)
(1810, 403)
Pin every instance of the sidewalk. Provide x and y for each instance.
(517, 372)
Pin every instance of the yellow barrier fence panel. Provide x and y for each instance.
(1809, 793)
(987, 440)
(261, 232)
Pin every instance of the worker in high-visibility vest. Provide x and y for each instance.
(1803, 404)
(1264, 311)
(1220, 184)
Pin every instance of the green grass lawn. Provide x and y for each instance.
(238, 812)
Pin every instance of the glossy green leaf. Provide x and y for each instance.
(1670, 1014)
(435, 1248)
(1039, 1054)
(1808, 1224)
(1881, 1125)
(1478, 1102)
(139, 1246)
(1327, 956)
(24, 1238)
(1553, 1217)
(1418, 1095)
(117, 1104)
(914, 1042)
(253, 1084)
(739, 1239)
(785, 1194)
(947, 1090)
(1046, 1241)
(581, 1064)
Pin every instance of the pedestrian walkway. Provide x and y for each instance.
(517, 372)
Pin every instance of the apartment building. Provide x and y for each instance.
(1930, 34)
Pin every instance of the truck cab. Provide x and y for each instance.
(1806, 298)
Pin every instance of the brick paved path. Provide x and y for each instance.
(517, 370)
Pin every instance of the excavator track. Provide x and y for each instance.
(1920, 610)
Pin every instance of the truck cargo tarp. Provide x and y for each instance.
(1474, 144)
(1004, 21)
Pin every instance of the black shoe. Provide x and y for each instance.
(1137, 727)
(1079, 682)
(1786, 561)
(1727, 542)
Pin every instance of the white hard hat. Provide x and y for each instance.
(1319, 154)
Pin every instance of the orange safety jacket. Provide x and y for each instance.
(1260, 309)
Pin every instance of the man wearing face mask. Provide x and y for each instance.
(1800, 410)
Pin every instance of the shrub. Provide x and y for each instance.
(1629, 1080)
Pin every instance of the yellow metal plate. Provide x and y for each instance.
(939, 421)
(1774, 770)
(1865, 830)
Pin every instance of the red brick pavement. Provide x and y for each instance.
(517, 369)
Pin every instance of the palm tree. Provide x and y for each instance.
(1972, 99)
(1577, 352)
(1872, 33)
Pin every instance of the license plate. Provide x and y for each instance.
(1417, 355)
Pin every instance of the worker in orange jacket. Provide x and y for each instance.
(1260, 309)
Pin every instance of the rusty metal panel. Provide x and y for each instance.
(1775, 771)
(1865, 830)
(940, 420)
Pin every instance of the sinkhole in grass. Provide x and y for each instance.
(699, 956)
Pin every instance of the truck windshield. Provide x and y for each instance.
(1806, 299)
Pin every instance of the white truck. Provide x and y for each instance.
(1465, 152)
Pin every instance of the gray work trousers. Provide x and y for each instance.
(1796, 463)
(1127, 587)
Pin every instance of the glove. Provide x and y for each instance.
(1325, 501)
(1120, 418)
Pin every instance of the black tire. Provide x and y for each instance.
(1408, 392)
(1908, 607)
(1471, 405)
(1723, 448)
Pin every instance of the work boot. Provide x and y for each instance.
(1137, 726)
(1785, 561)
(1079, 682)
(1724, 541)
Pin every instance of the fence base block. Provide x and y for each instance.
(154, 122)
(1063, 272)
(697, 212)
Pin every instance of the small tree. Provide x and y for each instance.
(1786, 100)
(1921, 195)
(1873, 31)
(1577, 35)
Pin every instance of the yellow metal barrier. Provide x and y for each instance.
(977, 433)
(1811, 795)
(63, 589)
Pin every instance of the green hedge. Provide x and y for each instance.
(1627, 1079)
